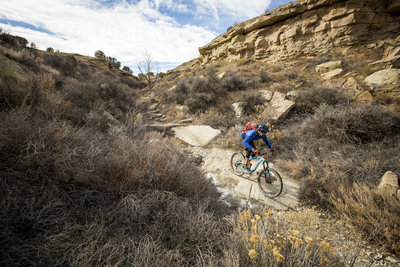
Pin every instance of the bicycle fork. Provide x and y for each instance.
(266, 172)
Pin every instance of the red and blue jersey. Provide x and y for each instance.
(251, 135)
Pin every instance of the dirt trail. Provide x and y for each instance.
(217, 165)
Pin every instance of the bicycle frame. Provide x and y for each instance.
(261, 159)
(269, 180)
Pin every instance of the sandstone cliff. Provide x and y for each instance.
(307, 27)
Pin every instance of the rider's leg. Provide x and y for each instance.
(247, 159)
(248, 153)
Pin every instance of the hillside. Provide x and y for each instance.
(325, 74)
(91, 174)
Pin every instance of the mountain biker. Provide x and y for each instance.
(249, 137)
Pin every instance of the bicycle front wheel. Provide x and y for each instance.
(237, 161)
(270, 182)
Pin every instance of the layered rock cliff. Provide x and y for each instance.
(307, 27)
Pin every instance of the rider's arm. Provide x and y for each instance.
(265, 139)
(249, 136)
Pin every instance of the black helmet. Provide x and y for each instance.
(263, 128)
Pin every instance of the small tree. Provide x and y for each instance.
(100, 54)
(127, 69)
(50, 49)
(114, 63)
(146, 69)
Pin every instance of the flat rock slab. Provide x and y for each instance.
(331, 65)
(331, 74)
(196, 135)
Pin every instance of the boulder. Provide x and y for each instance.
(389, 179)
(351, 83)
(196, 135)
(389, 183)
(279, 106)
(327, 66)
(335, 83)
(332, 74)
(383, 77)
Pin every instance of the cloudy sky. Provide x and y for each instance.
(171, 31)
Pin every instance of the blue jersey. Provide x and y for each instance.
(251, 135)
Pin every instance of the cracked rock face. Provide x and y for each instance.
(304, 28)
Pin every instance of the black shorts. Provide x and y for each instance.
(248, 151)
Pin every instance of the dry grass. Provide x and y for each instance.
(376, 214)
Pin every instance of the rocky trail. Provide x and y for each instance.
(216, 166)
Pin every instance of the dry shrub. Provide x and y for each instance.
(250, 102)
(22, 55)
(93, 196)
(11, 93)
(269, 239)
(84, 184)
(340, 145)
(219, 117)
(265, 77)
(11, 41)
(376, 214)
(84, 92)
(310, 99)
(65, 64)
(231, 139)
(200, 93)
(233, 82)
(344, 124)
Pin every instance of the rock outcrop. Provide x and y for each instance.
(196, 135)
(307, 27)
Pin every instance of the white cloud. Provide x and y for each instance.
(238, 9)
(124, 30)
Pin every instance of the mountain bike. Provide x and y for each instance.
(269, 180)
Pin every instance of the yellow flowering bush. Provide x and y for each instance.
(269, 240)
(253, 254)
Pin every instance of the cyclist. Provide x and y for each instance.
(249, 137)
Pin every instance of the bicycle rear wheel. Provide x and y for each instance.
(237, 161)
(270, 182)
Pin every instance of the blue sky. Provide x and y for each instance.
(171, 31)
